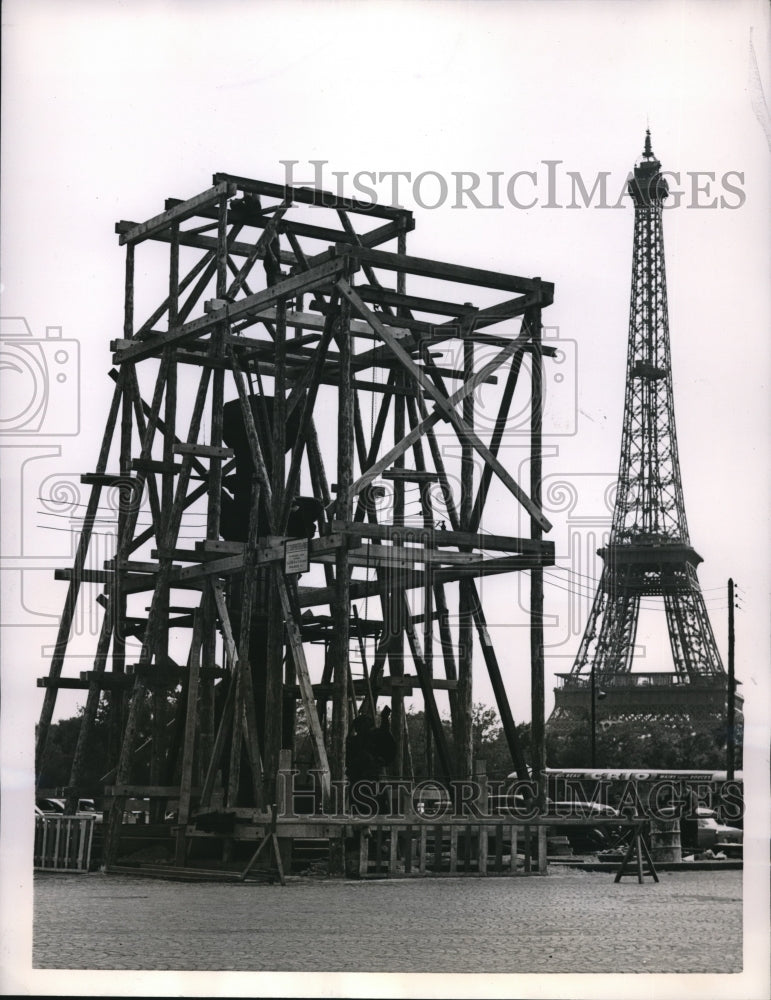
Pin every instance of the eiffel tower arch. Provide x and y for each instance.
(649, 552)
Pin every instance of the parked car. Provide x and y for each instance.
(584, 839)
(56, 807)
(711, 833)
(576, 807)
(51, 807)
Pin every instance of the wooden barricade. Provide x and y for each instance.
(63, 843)
(450, 847)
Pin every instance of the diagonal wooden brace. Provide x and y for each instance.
(444, 404)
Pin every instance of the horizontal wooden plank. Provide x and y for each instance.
(415, 303)
(85, 575)
(319, 548)
(423, 267)
(107, 680)
(502, 311)
(315, 321)
(183, 356)
(135, 566)
(236, 248)
(106, 478)
(436, 537)
(182, 555)
(309, 231)
(207, 450)
(69, 683)
(315, 196)
(220, 545)
(392, 555)
(492, 567)
(411, 475)
(184, 210)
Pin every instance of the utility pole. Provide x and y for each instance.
(731, 721)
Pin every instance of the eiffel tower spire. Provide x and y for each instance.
(649, 553)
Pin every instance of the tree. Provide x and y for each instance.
(60, 750)
(63, 737)
(648, 744)
(488, 741)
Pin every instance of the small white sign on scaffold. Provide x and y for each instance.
(296, 556)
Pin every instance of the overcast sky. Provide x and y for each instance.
(109, 108)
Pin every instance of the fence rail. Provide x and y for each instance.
(453, 848)
(63, 843)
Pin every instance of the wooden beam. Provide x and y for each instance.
(188, 238)
(439, 269)
(434, 537)
(185, 209)
(389, 296)
(315, 321)
(537, 695)
(315, 196)
(188, 743)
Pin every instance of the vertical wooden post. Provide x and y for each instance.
(214, 505)
(464, 737)
(117, 697)
(118, 597)
(428, 616)
(274, 676)
(537, 708)
(186, 779)
(483, 799)
(342, 591)
(394, 616)
(543, 863)
(158, 806)
(344, 510)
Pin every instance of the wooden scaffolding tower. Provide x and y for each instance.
(289, 450)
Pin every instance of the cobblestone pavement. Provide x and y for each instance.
(570, 921)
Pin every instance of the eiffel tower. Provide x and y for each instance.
(649, 553)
